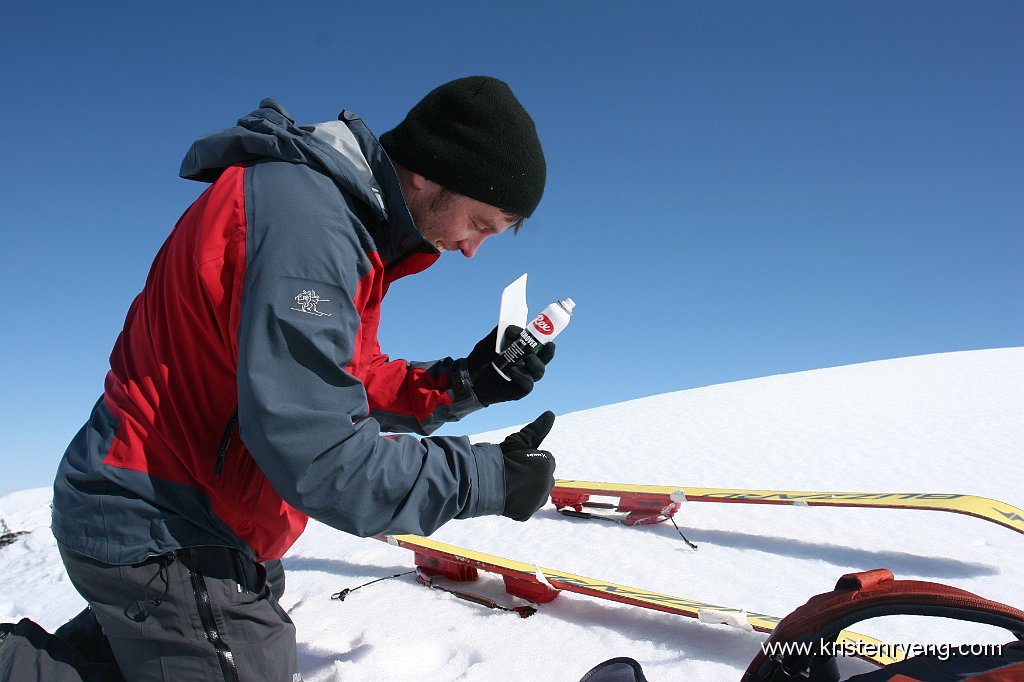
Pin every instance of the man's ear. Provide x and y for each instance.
(418, 182)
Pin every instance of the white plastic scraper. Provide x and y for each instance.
(513, 311)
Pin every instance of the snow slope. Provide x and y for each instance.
(940, 423)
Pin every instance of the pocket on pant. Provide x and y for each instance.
(251, 581)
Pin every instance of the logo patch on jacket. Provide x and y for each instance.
(308, 301)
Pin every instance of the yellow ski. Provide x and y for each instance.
(653, 503)
(539, 584)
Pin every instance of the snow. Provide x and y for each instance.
(950, 422)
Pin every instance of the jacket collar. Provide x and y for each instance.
(401, 238)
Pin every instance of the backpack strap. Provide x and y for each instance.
(860, 596)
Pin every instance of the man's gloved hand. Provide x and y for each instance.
(489, 386)
(529, 472)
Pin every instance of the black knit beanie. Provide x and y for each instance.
(473, 137)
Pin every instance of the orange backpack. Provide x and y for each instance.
(803, 645)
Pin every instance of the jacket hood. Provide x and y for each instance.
(269, 133)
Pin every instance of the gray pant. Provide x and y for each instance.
(201, 613)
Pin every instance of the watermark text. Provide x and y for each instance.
(863, 649)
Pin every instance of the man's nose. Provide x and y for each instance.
(470, 246)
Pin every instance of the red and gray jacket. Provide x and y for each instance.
(247, 391)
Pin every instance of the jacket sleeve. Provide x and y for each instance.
(302, 416)
(418, 397)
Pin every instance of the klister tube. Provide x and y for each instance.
(541, 330)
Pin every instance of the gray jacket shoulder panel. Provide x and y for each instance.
(269, 133)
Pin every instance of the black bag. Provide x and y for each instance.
(620, 669)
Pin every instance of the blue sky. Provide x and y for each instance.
(735, 189)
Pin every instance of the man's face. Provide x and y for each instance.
(453, 222)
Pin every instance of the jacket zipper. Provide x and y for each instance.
(225, 443)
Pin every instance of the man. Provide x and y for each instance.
(247, 391)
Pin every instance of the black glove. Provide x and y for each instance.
(489, 386)
(529, 472)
